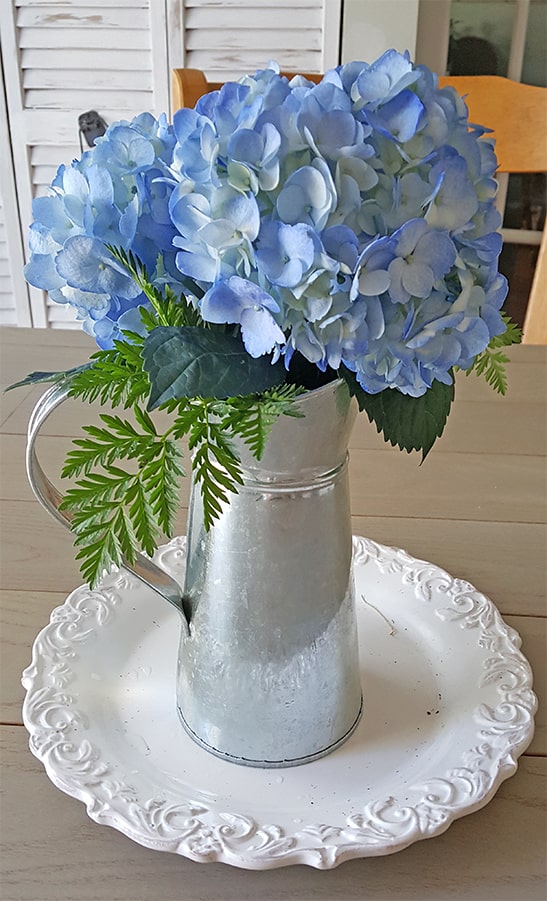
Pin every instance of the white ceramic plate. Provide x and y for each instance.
(448, 709)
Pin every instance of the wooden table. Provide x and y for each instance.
(476, 507)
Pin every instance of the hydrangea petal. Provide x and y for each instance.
(260, 331)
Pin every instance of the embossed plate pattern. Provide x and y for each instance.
(448, 709)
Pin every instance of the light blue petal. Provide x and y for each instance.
(221, 304)
(202, 267)
(260, 331)
(373, 282)
(40, 271)
(417, 278)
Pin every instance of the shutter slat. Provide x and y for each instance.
(246, 17)
(131, 4)
(83, 80)
(61, 315)
(275, 40)
(231, 66)
(5, 284)
(60, 126)
(83, 100)
(69, 17)
(52, 154)
(42, 176)
(253, 4)
(69, 59)
(75, 38)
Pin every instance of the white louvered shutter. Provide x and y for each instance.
(14, 296)
(61, 59)
(14, 301)
(229, 38)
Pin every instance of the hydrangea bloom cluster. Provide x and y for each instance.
(352, 221)
(116, 194)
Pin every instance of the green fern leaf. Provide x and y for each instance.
(114, 376)
(113, 511)
(168, 309)
(252, 418)
(160, 479)
(492, 361)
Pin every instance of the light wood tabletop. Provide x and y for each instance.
(476, 507)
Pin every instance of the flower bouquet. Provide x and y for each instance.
(279, 236)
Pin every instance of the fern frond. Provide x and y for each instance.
(118, 441)
(492, 361)
(114, 376)
(168, 309)
(113, 511)
(252, 417)
(215, 465)
(160, 479)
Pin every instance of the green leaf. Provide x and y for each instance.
(118, 441)
(196, 362)
(252, 418)
(411, 423)
(114, 512)
(144, 421)
(113, 376)
(142, 518)
(492, 361)
(160, 480)
(34, 378)
(215, 466)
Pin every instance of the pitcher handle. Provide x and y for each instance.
(51, 499)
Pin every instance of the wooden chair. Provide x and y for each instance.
(191, 84)
(517, 114)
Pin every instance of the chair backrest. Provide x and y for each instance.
(190, 84)
(517, 115)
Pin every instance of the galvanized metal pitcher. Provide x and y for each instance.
(268, 669)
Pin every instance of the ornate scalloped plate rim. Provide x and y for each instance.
(237, 839)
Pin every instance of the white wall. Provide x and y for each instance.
(372, 26)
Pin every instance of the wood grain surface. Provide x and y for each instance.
(476, 507)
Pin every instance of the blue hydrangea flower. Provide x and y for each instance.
(285, 252)
(422, 256)
(117, 194)
(351, 221)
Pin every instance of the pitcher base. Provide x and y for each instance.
(271, 764)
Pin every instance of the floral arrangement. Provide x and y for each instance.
(278, 236)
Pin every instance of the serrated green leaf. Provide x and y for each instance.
(160, 479)
(112, 376)
(252, 418)
(144, 421)
(492, 361)
(143, 520)
(114, 511)
(195, 362)
(411, 423)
